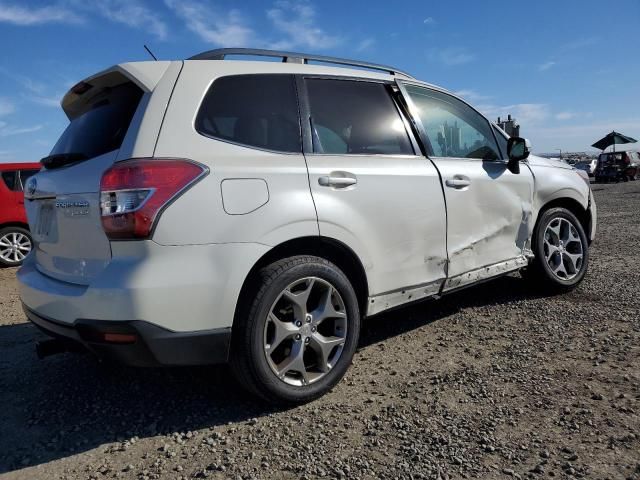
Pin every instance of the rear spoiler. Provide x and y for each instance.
(145, 75)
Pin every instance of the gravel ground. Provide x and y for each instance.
(492, 382)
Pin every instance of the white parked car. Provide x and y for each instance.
(588, 166)
(214, 210)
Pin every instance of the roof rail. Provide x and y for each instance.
(293, 57)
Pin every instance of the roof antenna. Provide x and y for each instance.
(150, 53)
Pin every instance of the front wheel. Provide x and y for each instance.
(561, 251)
(15, 245)
(296, 335)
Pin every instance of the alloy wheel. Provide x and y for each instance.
(14, 247)
(305, 331)
(563, 248)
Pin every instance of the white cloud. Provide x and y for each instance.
(25, 16)
(6, 106)
(576, 137)
(546, 66)
(578, 44)
(429, 21)
(451, 56)
(26, 82)
(132, 13)
(7, 130)
(297, 22)
(365, 44)
(213, 26)
(471, 95)
(565, 115)
(590, 131)
(52, 101)
(524, 113)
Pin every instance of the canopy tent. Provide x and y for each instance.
(614, 138)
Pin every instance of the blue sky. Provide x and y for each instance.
(568, 70)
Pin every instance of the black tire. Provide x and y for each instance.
(8, 231)
(248, 358)
(539, 273)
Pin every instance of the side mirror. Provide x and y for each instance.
(517, 149)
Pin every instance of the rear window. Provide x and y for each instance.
(102, 128)
(252, 110)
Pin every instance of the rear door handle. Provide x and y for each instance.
(337, 180)
(457, 182)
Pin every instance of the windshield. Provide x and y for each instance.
(103, 126)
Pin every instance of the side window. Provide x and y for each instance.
(454, 129)
(24, 176)
(9, 179)
(253, 110)
(354, 117)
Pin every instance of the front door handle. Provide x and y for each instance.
(457, 182)
(336, 181)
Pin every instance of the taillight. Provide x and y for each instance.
(133, 192)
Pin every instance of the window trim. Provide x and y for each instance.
(497, 131)
(422, 131)
(305, 116)
(244, 145)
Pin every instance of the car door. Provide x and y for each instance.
(488, 207)
(372, 189)
(14, 193)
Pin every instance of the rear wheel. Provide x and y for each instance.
(15, 245)
(561, 251)
(297, 334)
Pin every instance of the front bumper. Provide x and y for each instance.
(593, 217)
(138, 343)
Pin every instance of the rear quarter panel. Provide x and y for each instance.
(204, 214)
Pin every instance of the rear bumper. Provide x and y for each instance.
(180, 289)
(179, 301)
(150, 345)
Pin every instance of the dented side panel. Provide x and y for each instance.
(393, 218)
(491, 220)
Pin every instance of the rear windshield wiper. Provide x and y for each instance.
(58, 160)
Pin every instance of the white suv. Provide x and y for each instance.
(214, 210)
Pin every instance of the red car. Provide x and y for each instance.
(15, 241)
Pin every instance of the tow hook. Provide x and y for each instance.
(46, 348)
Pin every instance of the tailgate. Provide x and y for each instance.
(64, 217)
(63, 200)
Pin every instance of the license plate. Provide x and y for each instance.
(45, 220)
